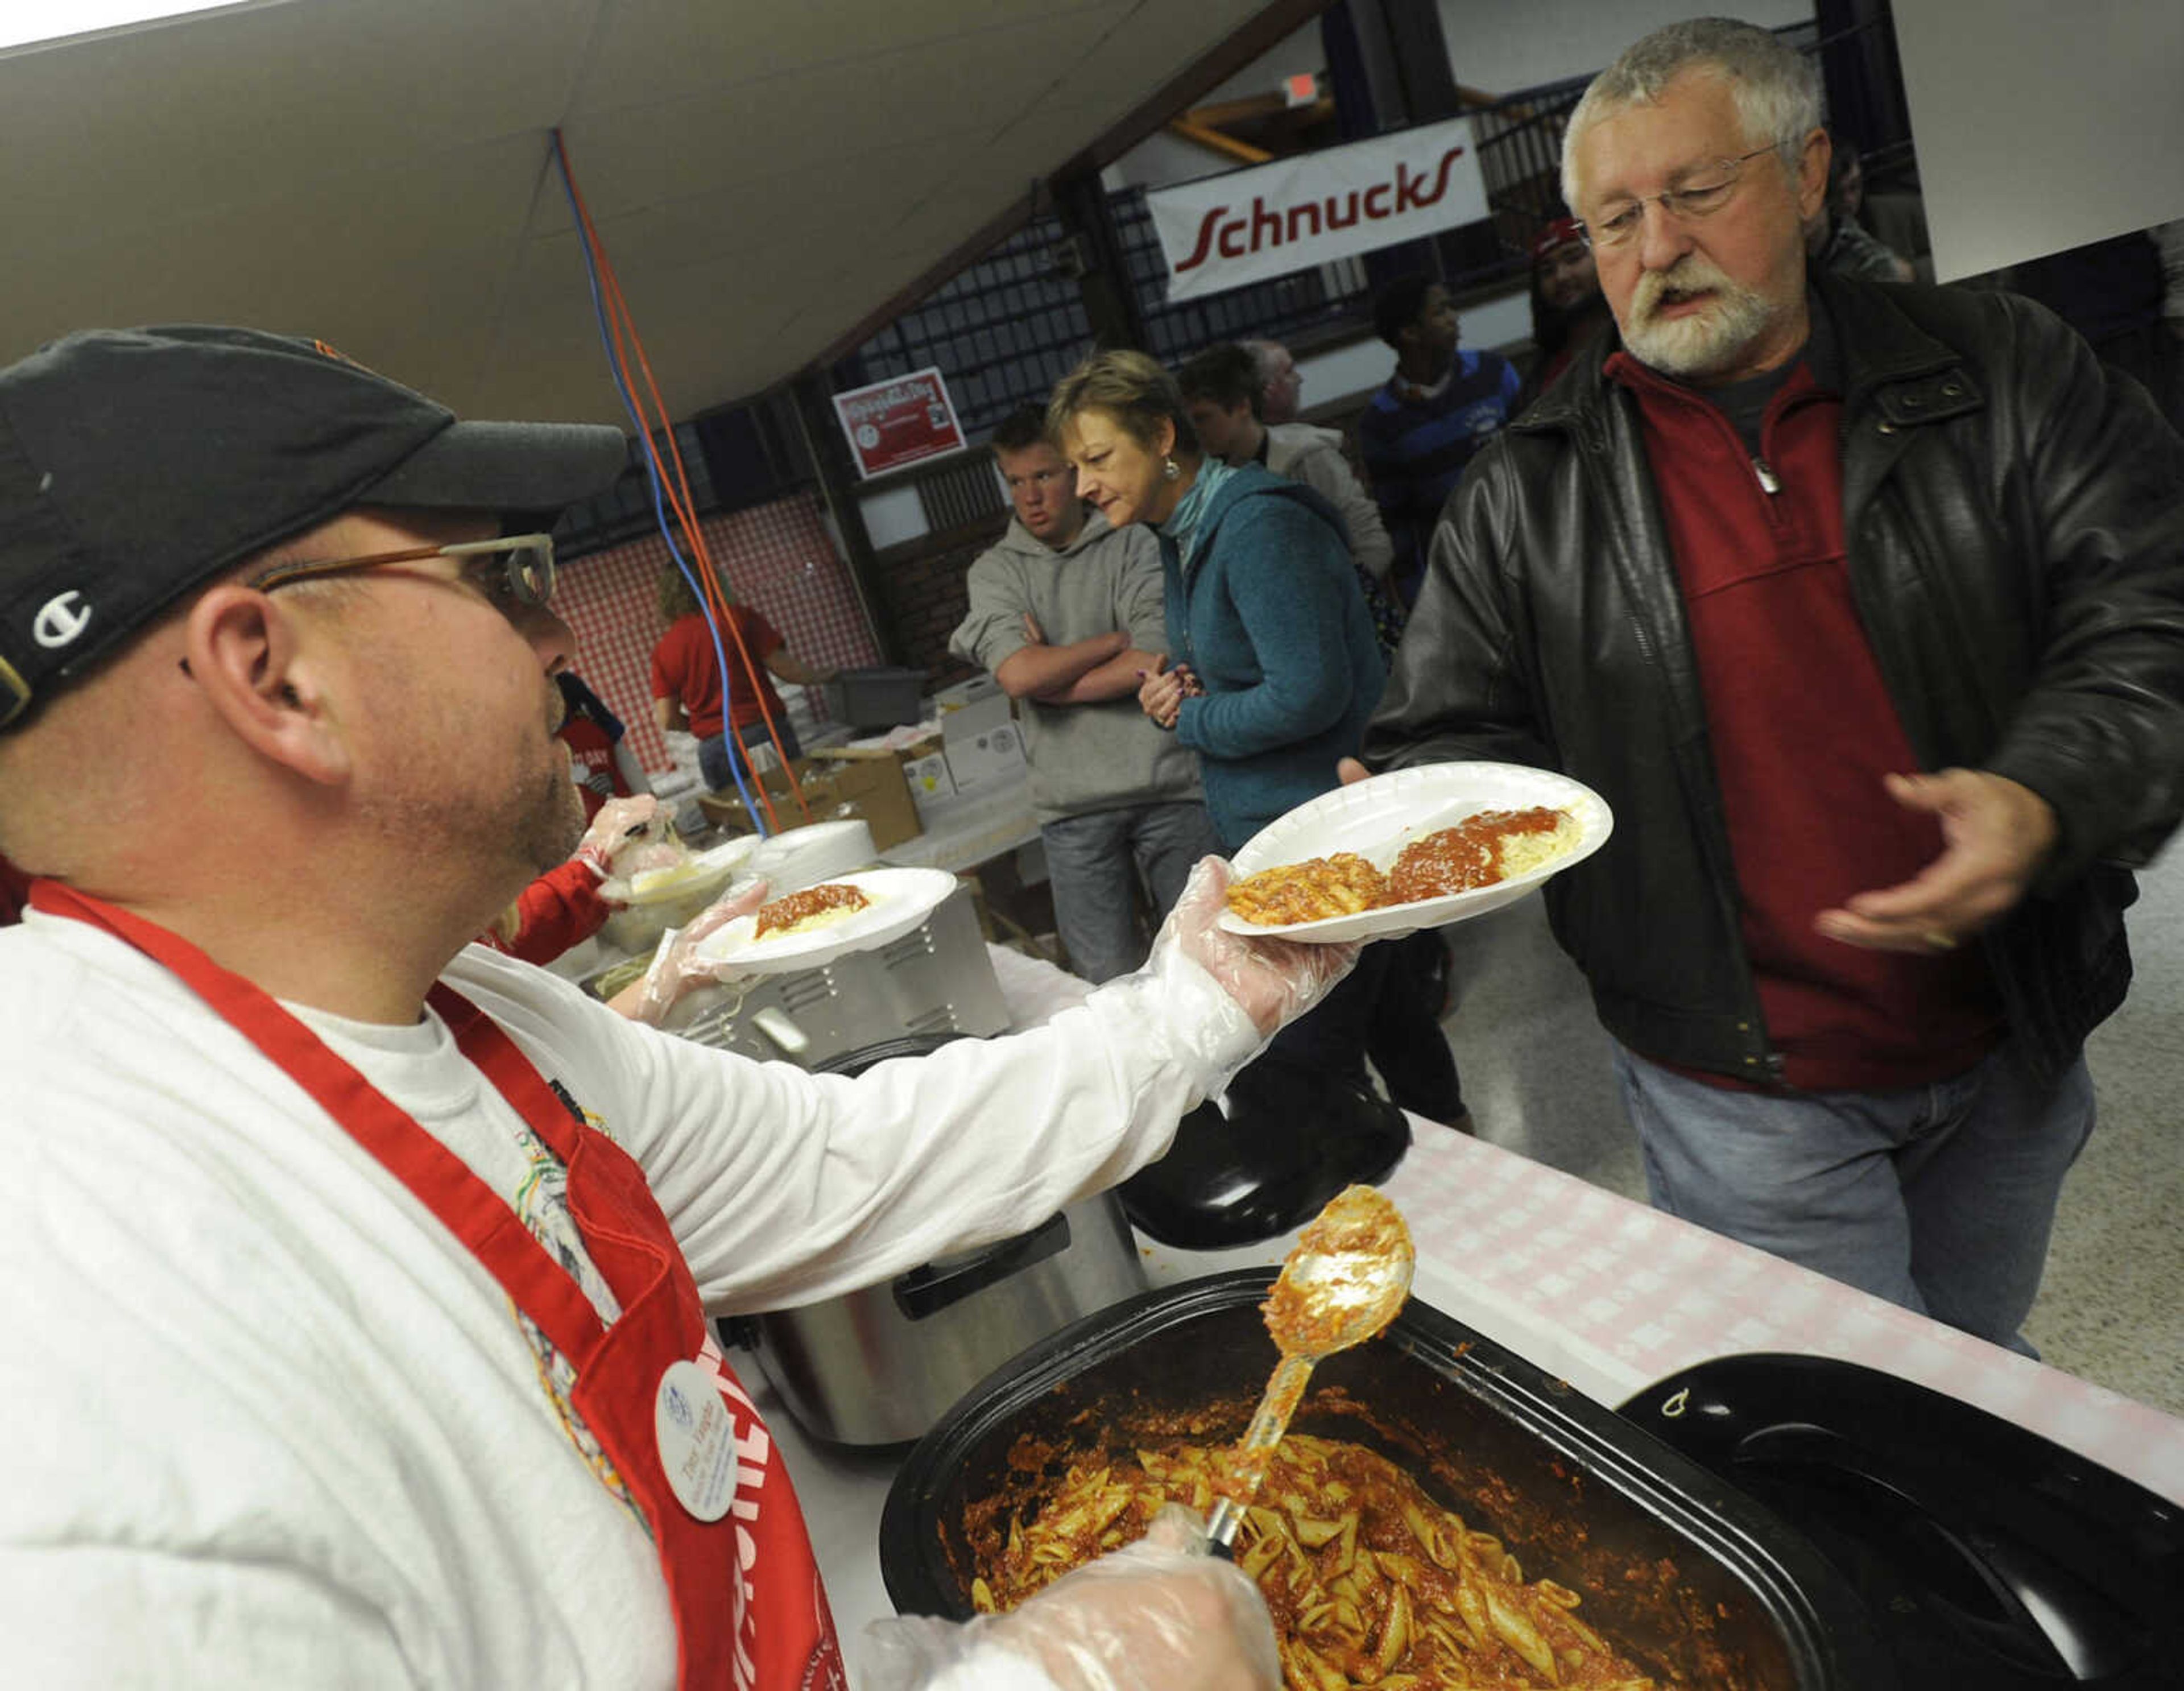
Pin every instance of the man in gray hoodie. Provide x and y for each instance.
(1067, 613)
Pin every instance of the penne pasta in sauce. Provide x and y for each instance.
(1371, 1583)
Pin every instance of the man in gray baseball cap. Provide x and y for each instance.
(354, 1281)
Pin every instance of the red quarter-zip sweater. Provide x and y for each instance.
(1801, 729)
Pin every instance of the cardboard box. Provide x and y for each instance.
(945, 700)
(835, 784)
(726, 808)
(929, 780)
(982, 744)
(876, 781)
(975, 717)
(990, 760)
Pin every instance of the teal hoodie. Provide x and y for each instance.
(1268, 613)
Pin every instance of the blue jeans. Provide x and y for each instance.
(713, 761)
(1090, 864)
(1939, 1197)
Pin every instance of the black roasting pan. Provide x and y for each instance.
(1680, 1570)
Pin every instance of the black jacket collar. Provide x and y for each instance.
(1881, 347)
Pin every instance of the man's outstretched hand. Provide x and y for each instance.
(1995, 834)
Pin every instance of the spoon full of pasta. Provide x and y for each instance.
(1342, 1282)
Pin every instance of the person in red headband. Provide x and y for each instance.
(1570, 312)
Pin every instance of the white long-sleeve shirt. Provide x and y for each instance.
(272, 1425)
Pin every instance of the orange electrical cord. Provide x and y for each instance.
(678, 491)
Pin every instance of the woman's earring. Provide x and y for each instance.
(1170, 470)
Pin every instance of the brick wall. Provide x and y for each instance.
(922, 599)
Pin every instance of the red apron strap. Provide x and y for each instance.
(749, 1611)
(439, 1180)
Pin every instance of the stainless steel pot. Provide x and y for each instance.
(881, 1365)
(936, 979)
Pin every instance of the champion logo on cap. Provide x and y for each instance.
(328, 349)
(61, 621)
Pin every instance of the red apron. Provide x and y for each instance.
(749, 1609)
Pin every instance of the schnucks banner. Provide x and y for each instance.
(1249, 225)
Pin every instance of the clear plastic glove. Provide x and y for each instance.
(677, 967)
(1160, 1615)
(1275, 981)
(618, 822)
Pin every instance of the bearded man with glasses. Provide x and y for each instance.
(1863, 605)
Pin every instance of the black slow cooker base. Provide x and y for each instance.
(1988, 1556)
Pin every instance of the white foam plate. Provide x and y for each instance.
(900, 900)
(1378, 816)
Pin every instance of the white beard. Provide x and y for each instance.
(1705, 342)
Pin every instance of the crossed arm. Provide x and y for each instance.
(1087, 671)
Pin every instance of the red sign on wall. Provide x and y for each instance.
(899, 422)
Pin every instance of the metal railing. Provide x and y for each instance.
(1006, 328)
(1002, 330)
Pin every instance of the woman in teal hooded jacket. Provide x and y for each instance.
(1272, 673)
(1276, 670)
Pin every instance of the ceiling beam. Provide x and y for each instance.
(1273, 24)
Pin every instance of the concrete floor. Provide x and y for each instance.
(2111, 1310)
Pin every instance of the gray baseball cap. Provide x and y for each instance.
(137, 463)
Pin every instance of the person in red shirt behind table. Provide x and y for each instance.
(686, 677)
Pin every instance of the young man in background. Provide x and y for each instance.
(1067, 613)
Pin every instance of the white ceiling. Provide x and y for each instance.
(764, 174)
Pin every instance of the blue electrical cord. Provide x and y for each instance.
(737, 764)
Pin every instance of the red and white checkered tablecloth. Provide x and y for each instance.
(779, 557)
(1611, 1296)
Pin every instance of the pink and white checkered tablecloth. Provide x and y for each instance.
(1611, 1296)
(1599, 1291)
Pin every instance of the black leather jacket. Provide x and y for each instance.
(2014, 518)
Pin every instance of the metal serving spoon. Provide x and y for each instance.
(1342, 1282)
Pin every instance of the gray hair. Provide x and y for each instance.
(1776, 88)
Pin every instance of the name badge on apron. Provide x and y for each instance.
(696, 1441)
